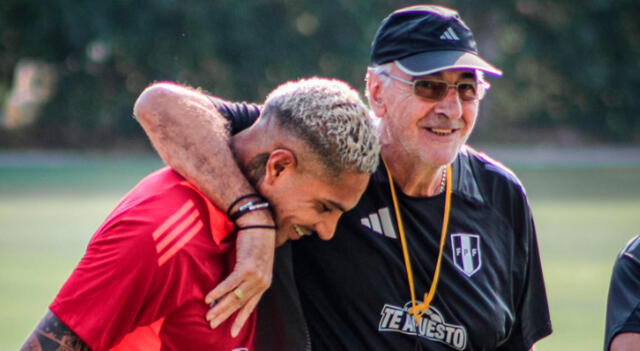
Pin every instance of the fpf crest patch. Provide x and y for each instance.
(466, 254)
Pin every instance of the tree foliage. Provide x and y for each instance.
(569, 65)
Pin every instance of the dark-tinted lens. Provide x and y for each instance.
(436, 90)
(430, 89)
(468, 91)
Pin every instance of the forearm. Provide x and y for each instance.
(191, 136)
(626, 342)
(52, 334)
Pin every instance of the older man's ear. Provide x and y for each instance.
(374, 89)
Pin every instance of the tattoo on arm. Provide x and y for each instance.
(52, 334)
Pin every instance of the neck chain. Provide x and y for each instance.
(443, 181)
(417, 310)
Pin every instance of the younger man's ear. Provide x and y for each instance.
(279, 164)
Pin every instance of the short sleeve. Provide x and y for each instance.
(623, 305)
(97, 300)
(241, 115)
(532, 320)
(124, 279)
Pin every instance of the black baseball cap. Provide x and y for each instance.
(426, 39)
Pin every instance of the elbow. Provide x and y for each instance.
(153, 102)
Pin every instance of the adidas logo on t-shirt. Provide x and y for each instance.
(380, 222)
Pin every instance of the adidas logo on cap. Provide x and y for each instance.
(449, 34)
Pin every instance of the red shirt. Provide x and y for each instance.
(142, 281)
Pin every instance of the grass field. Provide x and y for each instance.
(48, 211)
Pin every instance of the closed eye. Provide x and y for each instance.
(321, 207)
(329, 206)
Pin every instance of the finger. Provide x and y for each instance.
(244, 314)
(224, 288)
(222, 310)
(232, 300)
(229, 304)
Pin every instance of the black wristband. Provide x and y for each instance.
(249, 207)
(258, 226)
(236, 201)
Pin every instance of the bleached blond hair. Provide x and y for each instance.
(331, 119)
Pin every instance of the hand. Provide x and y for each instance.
(251, 277)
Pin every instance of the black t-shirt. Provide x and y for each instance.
(491, 294)
(623, 306)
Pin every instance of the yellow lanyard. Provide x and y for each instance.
(417, 310)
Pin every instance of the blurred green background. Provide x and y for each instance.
(586, 204)
(564, 116)
(70, 70)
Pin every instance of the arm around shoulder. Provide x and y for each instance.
(192, 137)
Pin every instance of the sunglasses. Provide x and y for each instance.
(435, 90)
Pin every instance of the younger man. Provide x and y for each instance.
(142, 282)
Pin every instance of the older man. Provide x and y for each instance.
(441, 252)
(142, 282)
